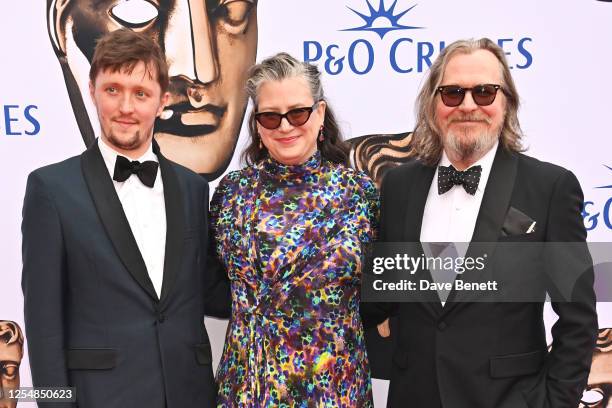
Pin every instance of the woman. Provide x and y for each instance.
(289, 229)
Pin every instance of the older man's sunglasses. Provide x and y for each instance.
(295, 117)
(483, 95)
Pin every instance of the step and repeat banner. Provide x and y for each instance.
(373, 55)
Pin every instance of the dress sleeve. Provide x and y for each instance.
(220, 212)
(370, 210)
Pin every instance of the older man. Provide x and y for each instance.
(472, 184)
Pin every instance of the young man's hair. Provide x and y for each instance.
(123, 49)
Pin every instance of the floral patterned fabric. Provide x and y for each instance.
(290, 237)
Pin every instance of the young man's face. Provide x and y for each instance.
(128, 104)
(209, 44)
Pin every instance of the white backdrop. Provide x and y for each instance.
(560, 51)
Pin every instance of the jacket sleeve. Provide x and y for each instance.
(43, 281)
(575, 332)
(218, 301)
(373, 313)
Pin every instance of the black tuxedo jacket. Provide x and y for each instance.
(93, 318)
(491, 355)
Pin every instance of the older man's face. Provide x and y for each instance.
(209, 44)
(10, 358)
(470, 129)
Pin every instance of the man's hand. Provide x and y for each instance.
(383, 329)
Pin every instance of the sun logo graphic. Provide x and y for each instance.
(609, 185)
(359, 56)
(383, 20)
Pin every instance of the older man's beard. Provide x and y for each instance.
(462, 145)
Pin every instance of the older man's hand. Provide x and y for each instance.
(383, 329)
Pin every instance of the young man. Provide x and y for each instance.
(472, 184)
(114, 252)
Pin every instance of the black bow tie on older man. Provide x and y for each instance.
(146, 171)
(449, 176)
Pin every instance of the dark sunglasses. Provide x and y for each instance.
(296, 117)
(483, 95)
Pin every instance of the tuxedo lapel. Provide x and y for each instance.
(415, 203)
(113, 218)
(175, 222)
(493, 209)
(415, 208)
(496, 199)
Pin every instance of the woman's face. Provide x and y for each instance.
(289, 144)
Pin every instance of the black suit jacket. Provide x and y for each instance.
(93, 318)
(477, 355)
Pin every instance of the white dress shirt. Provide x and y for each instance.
(451, 217)
(145, 211)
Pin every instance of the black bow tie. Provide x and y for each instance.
(146, 171)
(449, 176)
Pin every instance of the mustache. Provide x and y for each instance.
(470, 118)
(125, 119)
(183, 107)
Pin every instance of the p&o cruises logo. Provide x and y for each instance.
(16, 120)
(405, 54)
(594, 212)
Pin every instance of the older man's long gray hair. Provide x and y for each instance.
(427, 141)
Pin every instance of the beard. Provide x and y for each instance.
(127, 143)
(466, 143)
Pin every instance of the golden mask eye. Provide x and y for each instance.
(10, 371)
(234, 15)
(134, 13)
(592, 397)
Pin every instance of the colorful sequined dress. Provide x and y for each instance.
(290, 237)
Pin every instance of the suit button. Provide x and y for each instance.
(442, 326)
(161, 318)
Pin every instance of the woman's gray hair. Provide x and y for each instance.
(427, 141)
(282, 66)
(277, 68)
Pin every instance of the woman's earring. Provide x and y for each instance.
(260, 144)
(321, 134)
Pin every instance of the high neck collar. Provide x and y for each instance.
(286, 171)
